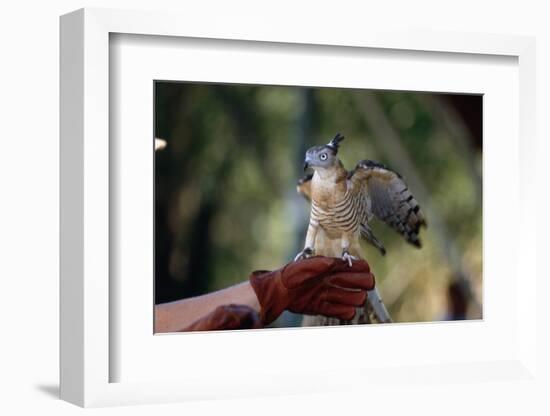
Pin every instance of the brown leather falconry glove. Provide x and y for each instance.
(227, 317)
(314, 286)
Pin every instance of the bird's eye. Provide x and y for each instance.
(323, 156)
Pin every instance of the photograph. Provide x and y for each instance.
(295, 206)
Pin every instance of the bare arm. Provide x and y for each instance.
(173, 316)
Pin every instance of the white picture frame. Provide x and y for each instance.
(86, 304)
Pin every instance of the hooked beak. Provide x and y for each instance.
(307, 163)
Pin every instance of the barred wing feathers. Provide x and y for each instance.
(304, 186)
(391, 199)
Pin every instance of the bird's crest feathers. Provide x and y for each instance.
(334, 144)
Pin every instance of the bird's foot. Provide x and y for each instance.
(304, 254)
(348, 257)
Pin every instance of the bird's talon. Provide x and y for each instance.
(349, 258)
(306, 253)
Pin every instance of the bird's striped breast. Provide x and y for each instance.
(345, 215)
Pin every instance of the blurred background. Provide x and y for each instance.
(225, 188)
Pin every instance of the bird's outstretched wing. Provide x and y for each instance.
(391, 199)
(304, 186)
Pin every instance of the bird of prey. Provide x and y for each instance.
(344, 202)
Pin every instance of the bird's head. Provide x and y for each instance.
(323, 157)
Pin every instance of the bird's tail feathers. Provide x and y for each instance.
(368, 235)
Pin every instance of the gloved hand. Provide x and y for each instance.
(227, 317)
(314, 286)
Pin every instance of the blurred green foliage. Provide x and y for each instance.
(225, 187)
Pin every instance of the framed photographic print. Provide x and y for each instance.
(228, 197)
(225, 200)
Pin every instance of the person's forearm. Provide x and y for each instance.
(174, 316)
